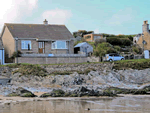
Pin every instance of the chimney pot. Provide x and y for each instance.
(45, 22)
(146, 22)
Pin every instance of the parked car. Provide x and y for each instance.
(113, 57)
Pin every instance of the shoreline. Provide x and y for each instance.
(15, 100)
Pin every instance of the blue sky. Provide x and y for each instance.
(101, 16)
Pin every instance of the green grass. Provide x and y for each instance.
(12, 95)
(29, 69)
(134, 64)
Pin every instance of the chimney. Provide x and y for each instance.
(45, 22)
(146, 22)
(145, 26)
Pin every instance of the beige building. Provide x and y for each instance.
(92, 37)
(144, 40)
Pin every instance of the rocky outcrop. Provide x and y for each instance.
(22, 93)
(79, 92)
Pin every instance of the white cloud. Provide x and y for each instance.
(121, 17)
(14, 10)
(57, 16)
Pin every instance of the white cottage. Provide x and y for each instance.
(83, 47)
(2, 53)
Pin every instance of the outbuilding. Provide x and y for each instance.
(2, 53)
(83, 47)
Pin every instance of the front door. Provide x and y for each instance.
(41, 47)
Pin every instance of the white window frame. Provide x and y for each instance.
(55, 42)
(24, 44)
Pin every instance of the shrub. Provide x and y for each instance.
(114, 40)
(126, 41)
(14, 55)
(111, 50)
(102, 49)
(117, 48)
(97, 41)
(136, 49)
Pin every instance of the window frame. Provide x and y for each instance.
(24, 44)
(55, 42)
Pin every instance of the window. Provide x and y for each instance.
(88, 37)
(59, 45)
(96, 37)
(24, 44)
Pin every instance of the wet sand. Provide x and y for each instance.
(126, 104)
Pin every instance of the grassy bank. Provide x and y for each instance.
(133, 64)
(39, 70)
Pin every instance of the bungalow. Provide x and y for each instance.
(36, 40)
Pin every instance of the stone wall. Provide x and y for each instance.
(51, 60)
(79, 67)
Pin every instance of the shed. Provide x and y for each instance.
(2, 53)
(83, 47)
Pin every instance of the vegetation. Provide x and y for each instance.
(132, 64)
(136, 49)
(117, 48)
(104, 48)
(86, 71)
(120, 36)
(14, 55)
(98, 41)
(119, 41)
(12, 95)
(30, 69)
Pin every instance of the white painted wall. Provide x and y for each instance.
(146, 54)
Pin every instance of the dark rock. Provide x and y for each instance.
(57, 93)
(22, 92)
(46, 95)
(83, 89)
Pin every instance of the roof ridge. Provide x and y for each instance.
(33, 24)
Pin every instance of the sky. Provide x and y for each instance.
(101, 16)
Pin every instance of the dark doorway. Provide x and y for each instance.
(76, 50)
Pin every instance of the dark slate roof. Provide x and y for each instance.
(40, 31)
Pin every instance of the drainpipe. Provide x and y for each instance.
(2, 56)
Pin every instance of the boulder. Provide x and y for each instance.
(22, 92)
(57, 93)
(45, 95)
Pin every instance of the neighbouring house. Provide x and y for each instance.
(2, 53)
(92, 37)
(144, 40)
(83, 47)
(78, 38)
(120, 34)
(81, 33)
(36, 41)
(136, 38)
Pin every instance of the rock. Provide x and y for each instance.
(46, 95)
(57, 93)
(22, 92)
